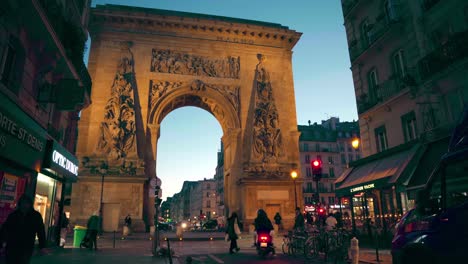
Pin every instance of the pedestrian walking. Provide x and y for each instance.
(64, 222)
(278, 220)
(233, 232)
(299, 221)
(330, 222)
(127, 226)
(20, 230)
(93, 229)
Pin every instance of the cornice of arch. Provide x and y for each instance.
(219, 30)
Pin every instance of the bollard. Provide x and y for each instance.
(113, 244)
(354, 250)
(169, 250)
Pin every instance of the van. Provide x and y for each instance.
(436, 230)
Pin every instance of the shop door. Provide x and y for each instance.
(111, 217)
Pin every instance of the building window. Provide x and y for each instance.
(381, 138)
(343, 159)
(317, 147)
(308, 172)
(306, 147)
(331, 171)
(207, 194)
(399, 65)
(408, 122)
(330, 159)
(331, 200)
(365, 33)
(319, 157)
(372, 83)
(309, 186)
(307, 158)
(208, 186)
(357, 156)
(7, 65)
(208, 204)
(350, 157)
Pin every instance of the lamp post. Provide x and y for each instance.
(102, 170)
(355, 143)
(294, 176)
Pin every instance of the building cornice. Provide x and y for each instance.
(142, 20)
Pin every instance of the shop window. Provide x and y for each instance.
(381, 138)
(408, 122)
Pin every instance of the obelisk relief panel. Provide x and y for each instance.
(145, 64)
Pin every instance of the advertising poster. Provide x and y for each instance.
(8, 188)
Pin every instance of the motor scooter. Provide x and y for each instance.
(264, 244)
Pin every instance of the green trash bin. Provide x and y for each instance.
(79, 234)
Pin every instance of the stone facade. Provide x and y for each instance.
(147, 62)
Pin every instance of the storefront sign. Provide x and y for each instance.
(336, 206)
(22, 140)
(65, 163)
(60, 160)
(362, 188)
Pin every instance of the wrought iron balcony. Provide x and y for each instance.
(428, 4)
(455, 49)
(385, 91)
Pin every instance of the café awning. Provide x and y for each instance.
(376, 171)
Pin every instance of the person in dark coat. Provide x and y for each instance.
(232, 232)
(262, 224)
(93, 229)
(299, 222)
(19, 232)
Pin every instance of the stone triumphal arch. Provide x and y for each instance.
(145, 63)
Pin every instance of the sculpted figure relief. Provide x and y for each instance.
(161, 88)
(167, 61)
(267, 138)
(117, 131)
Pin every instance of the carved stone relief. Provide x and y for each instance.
(167, 61)
(117, 131)
(160, 88)
(266, 136)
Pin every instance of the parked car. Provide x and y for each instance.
(210, 225)
(436, 230)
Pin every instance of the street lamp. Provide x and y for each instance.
(355, 143)
(103, 171)
(294, 176)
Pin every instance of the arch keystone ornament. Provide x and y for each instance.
(145, 63)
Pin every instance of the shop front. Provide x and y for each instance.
(22, 146)
(369, 188)
(60, 168)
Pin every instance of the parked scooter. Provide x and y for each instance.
(264, 244)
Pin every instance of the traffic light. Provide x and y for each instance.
(316, 165)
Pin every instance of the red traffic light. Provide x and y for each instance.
(316, 163)
(321, 210)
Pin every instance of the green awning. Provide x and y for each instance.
(430, 159)
(376, 173)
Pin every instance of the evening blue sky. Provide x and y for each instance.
(190, 137)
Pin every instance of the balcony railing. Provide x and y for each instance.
(348, 5)
(385, 91)
(428, 4)
(375, 32)
(452, 51)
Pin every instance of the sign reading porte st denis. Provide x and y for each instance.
(362, 187)
(65, 163)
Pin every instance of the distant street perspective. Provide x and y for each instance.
(210, 132)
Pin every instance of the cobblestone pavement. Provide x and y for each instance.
(206, 248)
